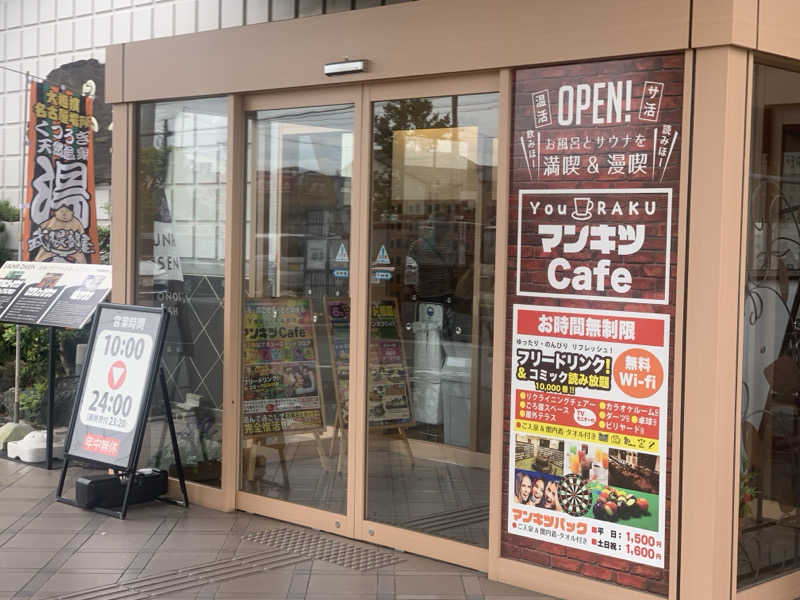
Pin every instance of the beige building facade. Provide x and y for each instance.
(516, 290)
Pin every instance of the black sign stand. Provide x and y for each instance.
(51, 393)
(130, 471)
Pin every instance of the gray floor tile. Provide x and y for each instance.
(7, 520)
(209, 524)
(59, 508)
(15, 507)
(65, 582)
(142, 526)
(99, 561)
(429, 586)
(13, 579)
(386, 585)
(275, 583)
(495, 588)
(120, 542)
(24, 559)
(37, 541)
(334, 584)
(419, 565)
(169, 561)
(24, 493)
(53, 547)
(52, 523)
(189, 540)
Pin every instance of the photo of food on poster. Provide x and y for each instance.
(589, 402)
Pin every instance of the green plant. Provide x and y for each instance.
(104, 244)
(34, 345)
(748, 491)
(30, 400)
(8, 212)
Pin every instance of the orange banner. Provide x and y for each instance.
(59, 222)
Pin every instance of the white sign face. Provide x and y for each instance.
(123, 355)
(114, 387)
(587, 450)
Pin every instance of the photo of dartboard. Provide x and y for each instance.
(574, 495)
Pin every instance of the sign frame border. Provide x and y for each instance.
(565, 191)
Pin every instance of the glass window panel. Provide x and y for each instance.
(206, 202)
(178, 266)
(308, 8)
(332, 6)
(769, 488)
(282, 10)
(182, 204)
(296, 300)
(432, 258)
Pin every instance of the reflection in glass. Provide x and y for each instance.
(308, 8)
(296, 306)
(430, 353)
(769, 488)
(180, 242)
(283, 9)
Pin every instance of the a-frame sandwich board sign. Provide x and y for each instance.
(115, 393)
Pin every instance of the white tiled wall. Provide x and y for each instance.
(40, 35)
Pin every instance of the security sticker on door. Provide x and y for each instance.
(114, 387)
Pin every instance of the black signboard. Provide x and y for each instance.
(116, 389)
(53, 294)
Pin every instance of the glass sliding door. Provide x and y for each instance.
(180, 264)
(431, 260)
(295, 329)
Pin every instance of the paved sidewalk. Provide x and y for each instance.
(49, 549)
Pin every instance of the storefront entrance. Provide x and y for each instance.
(367, 312)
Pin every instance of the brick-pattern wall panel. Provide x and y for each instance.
(593, 144)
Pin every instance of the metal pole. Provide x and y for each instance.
(19, 237)
(51, 394)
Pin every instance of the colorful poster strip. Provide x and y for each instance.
(589, 424)
(282, 391)
(59, 222)
(389, 401)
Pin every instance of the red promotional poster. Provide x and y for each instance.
(593, 236)
(59, 223)
(589, 403)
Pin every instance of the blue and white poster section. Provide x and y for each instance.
(114, 396)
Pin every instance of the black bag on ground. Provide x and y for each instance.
(106, 491)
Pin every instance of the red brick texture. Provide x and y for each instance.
(647, 266)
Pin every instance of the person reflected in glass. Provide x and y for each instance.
(432, 267)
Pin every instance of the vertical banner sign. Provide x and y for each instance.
(593, 225)
(59, 223)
